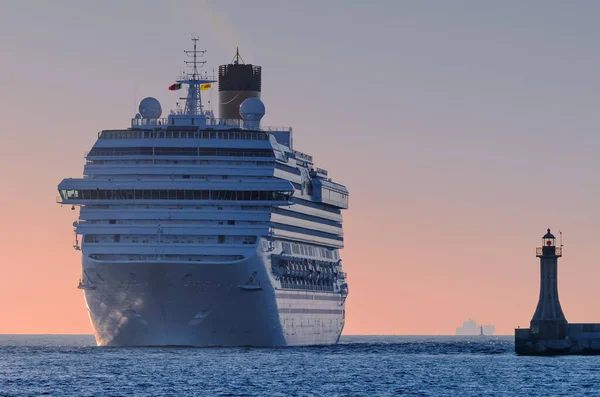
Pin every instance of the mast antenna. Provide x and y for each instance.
(194, 54)
(237, 59)
(195, 80)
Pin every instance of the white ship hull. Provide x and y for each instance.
(205, 304)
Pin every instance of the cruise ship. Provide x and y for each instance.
(204, 231)
(470, 327)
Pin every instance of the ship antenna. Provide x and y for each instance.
(237, 59)
(193, 102)
(194, 53)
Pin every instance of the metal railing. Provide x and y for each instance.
(272, 128)
(540, 250)
(224, 122)
(164, 121)
(150, 122)
(303, 156)
(195, 152)
(200, 134)
(209, 122)
(318, 170)
(307, 287)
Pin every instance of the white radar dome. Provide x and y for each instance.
(150, 108)
(252, 109)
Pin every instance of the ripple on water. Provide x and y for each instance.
(358, 366)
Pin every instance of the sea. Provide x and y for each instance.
(72, 365)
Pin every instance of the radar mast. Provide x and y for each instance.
(195, 81)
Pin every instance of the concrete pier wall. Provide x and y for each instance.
(580, 339)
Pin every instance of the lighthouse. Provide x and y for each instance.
(549, 332)
(549, 321)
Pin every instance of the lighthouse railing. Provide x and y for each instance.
(540, 251)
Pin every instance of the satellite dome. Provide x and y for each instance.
(138, 116)
(150, 108)
(252, 109)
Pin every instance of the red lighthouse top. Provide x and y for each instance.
(549, 247)
(549, 240)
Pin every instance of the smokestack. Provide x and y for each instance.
(237, 82)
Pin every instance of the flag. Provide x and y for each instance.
(175, 87)
(204, 87)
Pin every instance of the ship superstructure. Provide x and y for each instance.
(470, 327)
(205, 231)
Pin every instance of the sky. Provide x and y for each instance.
(462, 129)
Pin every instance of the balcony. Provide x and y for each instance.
(539, 251)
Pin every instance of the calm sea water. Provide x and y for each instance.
(72, 365)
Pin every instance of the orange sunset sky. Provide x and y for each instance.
(462, 129)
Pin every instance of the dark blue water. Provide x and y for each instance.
(358, 366)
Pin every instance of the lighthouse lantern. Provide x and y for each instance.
(549, 240)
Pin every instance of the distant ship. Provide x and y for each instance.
(470, 327)
(204, 231)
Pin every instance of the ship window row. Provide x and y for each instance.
(132, 194)
(308, 310)
(303, 249)
(181, 151)
(167, 222)
(176, 177)
(304, 156)
(290, 283)
(154, 257)
(167, 239)
(307, 231)
(312, 204)
(170, 134)
(159, 206)
(245, 162)
(305, 217)
(287, 168)
(304, 296)
(335, 196)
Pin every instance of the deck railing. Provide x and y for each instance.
(209, 122)
(540, 250)
(200, 134)
(307, 287)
